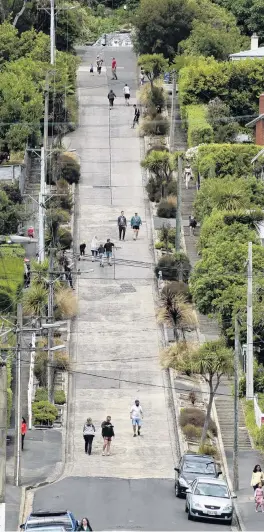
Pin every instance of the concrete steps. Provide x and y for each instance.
(225, 413)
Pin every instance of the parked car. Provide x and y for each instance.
(192, 466)
(50, 521)
(209, 498)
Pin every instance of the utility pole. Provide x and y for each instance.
(43, 160)
(31, 379)
(17, 471)
(3, 432)
(236, 407)
(172, 124)
(52, 33)
(249, 374)
(50, 331)
(178, 207)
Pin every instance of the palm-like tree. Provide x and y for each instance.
(174, 356)
(35, 300)
(177, 313)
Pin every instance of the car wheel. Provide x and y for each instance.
(190, 517)
(186, 508)
(177, 490)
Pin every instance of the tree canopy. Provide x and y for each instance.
(161, 26)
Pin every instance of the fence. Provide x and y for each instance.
(259, 416)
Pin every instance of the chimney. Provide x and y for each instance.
(254, 41)
(261, 104)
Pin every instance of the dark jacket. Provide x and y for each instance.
(111, 95)
(89, 527)
(124, 222)
(107, 429)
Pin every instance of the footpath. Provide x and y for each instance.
(40, 460)
(248, 457)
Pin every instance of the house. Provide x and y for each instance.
(258, 123)
(255, 51)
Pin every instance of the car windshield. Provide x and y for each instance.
(206, 468)
(58, 522)
(212, 490)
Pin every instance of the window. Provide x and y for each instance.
(200, 467)
(212, 490)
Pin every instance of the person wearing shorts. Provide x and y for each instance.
(108, 434)
(135, 224)
(109, 251)
(126, 91)
(101, 252)
(136, 414)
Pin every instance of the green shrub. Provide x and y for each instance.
(196, 417)
(44, 413)
(163, 245)
(154, 189)
(6, 301)
(64, 238)
(167, 234)
(167, 207)
(221, 160)
(177, 288)
(208, 449)
(40, 368)
(259, 438)
(192, 432)
(41, 395)
(59, 397)
(70, 169)
(172, 266)
(237, 83)
(154, 126)
(199, 129)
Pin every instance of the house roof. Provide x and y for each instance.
(258, 53)
(253, 122)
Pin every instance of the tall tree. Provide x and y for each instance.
(177, 313)
(160, 26)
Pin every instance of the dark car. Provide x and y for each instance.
(51, 521)
(192, 466)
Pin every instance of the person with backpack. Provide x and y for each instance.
(192, 225)
(88, 434)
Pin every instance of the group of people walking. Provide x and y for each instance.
(107, 429)
(102, 251)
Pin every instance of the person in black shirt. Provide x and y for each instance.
(108, 434)
(109, 250)
(136, 116)
(122, 223)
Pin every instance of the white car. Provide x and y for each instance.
(209, 498)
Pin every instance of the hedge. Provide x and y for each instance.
(220, 160)
(237, 83)
(199, 129)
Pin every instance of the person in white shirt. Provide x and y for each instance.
(136, 414)
(126, 91)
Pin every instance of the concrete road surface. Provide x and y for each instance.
(118, 504)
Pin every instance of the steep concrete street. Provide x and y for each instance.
(115, 342)
(115, 337)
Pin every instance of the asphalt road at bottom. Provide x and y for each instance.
(118, 504)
